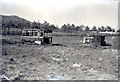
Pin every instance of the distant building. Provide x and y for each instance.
(107, 33)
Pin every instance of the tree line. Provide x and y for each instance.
(72, 27)
(14, 23)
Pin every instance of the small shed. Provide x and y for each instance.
(98, 40)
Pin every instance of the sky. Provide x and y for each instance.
(79, 12)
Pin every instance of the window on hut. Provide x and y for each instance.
(30, 33)
(23, 33)
(35, 33)
(41, 34)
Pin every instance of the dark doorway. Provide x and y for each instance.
(102, 42)
(46, 40)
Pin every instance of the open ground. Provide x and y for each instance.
(66, 59)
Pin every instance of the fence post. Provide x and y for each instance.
(21, 31)
(8, 31)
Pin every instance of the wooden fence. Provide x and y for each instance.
(11, 31)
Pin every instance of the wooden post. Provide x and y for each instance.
(13, 30)
(17, 31)
(4, 30)
(51, 39)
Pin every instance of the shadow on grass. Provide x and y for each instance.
(58, 44)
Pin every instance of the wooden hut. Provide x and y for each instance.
(98, 39)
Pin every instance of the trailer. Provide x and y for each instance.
(37, 36)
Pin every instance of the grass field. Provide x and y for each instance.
(69, 61)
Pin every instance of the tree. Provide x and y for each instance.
(46, 25)
(34, 25)
(63, 28)
(87, 28)
(68, 28)
(108, 28)
(72, 28)
(53, 28)
(82, 27)
(10, 25)
(102, 29)
(77, 29)
(113, 30)
(94, 28)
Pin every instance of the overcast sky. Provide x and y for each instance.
(59, 12)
